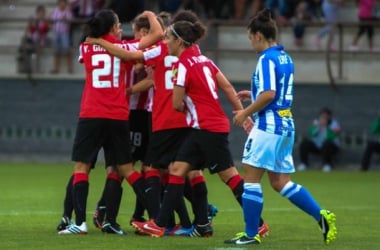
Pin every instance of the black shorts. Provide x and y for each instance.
(111, 135)
(204, 149)
(140, 124)
(164, 145)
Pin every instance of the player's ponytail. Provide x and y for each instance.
(100, 24)
(262, 22)
(188, 32)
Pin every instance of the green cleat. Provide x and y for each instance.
(243, 239)
(328, 227)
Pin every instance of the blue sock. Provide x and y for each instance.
(300, 197)
(252, 207)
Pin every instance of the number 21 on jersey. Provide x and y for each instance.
(110, 69)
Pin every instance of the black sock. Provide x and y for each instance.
(182, 213)
(80, 193)
(236, 184)
(112, 198)
(138, 212)
(171, 220)
(200, 201)
(118, 202)
(153, 192)
(188, 191)
(68, 205)
(173, 193)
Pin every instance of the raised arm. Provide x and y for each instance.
(155, 32)
(117, 51)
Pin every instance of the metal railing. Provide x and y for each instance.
(339, 29)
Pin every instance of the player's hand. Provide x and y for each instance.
(149, 72)
(129, 91)
(244, 95)
(92, 40)
(239, 117)
(248, 125)
(148, 13)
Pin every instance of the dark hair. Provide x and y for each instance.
(262, 22)
(326, 110)
(100, 24)
(40, 8)
(185, 15)
(164, 18)
(141, 22)
(188, 32)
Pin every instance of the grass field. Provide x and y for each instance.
(31, 197)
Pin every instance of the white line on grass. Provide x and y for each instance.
(269, 209)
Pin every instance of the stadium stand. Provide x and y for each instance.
(50, 130)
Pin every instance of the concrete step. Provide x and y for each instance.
(11, 37)
(235, 37)
(9, 66)
(20, 11)
(238, 66)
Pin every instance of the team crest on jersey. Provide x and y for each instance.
(175, 72)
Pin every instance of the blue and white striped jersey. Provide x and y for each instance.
(274, 71)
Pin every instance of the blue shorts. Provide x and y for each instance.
(269, 151)
(61, 43)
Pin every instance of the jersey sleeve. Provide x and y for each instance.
(180, 74)
(215, 70)
(267, 74)
(80, 57)
(133, 46)
(152, 54)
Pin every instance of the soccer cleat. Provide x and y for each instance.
(327, 224)
(168, 230)
(212, 210)
(99, 215)
(111, 228)
(149, 228)
(141, 219)
(263, 230)
(180, 231)
(202, 231)
(243, 239)
(64, 223)
(74, 229)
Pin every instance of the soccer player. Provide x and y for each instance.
(196, 80)
(139, 118)
(270, 143)
(169, 128)
(103, 118)
(373, 144)
(164, 115)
